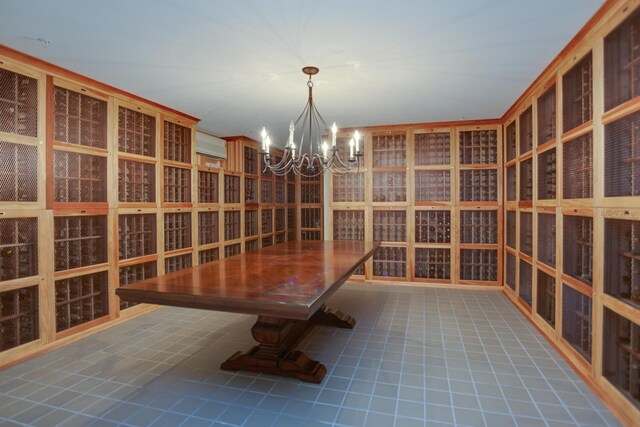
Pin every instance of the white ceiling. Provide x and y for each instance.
(236, 64)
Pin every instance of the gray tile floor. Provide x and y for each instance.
(417, 357)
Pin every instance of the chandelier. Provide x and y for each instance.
(313, 155)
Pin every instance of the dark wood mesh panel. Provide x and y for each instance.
(432, 149)
(177, 185)
(479, 185)
(526, 179)
(576, 320)
(578, 247)
(251, 161)
(577, 158)
(209, 255)
(433, 226)
(479, 264)
(281, 219)
(252, 245)
(310, 235)
(18, 248)
(526, 233)
(622, 260)
(511, 229)
(390, 262)
(231, 225)
(620, 360)
(18, 103)
(279, 238)
(136, 182)
(136, 132)
(231, 250)
(267, 241)
(207, 187)
(510, 277)
(314, 179)
(512, 188)
(622, 157)
(433, 263)
(79, 119)
(577, 94)
(177, 263)
(310, 193)
(250, 223)
(347, 188)
(478, 147)
(311, 217)
(251, 191)
(389, 187)
(479, 227)
(208, 228)
(291, 194)
(526, 130)
(547, 297)
(432, 186)
(390, 226)
(291, 236)
(177, 231)
(348, 225)
(79, 177)
(547, 116)
(622, 62)
(81, 299)
(525, 285)
(231, 189)
(136, 235)
(291, 218)
(19, 322)
(79, 241)
(18, 172)
(389, 150)
(280, 192)
(135, 273)
(266, 191)
(267, 220)
(278, 159)
(510, 138)
(177, 142)
(547, 174)
(547, 239)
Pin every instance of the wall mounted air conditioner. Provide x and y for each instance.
(210, 145)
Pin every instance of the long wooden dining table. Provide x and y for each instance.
(286, 285)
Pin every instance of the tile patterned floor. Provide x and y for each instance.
(417, 357)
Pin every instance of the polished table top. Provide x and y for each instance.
(289, 280)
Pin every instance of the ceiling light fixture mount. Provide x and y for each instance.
(316, 157)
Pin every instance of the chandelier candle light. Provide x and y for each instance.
(318, 157)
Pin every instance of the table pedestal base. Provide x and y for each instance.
(277, 338)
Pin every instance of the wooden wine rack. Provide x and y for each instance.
(577, 248)
(231, 225)
(291, 219)
(432, 186)
(18, 248)
(433, 226)
(348, 225)
(547, 239)
(177, 185)
(479, 185)
(390, 226)
(18, 171)
(134, 273)
(251, 245)
(177, 263)
(250, 223)
(389, 187)
(231, 189)
(620, 363)
(137, 235)
(81, 299)
(266, 191)
(390, 262)
(267, 241)
(433, 263)
(136, 182)
(526, 233)
(511, 229)
(622, 157)
(18, 103)
(251, 161)
(291, 193)
(310, 193)
(479, 147)
(251, 191)
(267, 221)
(79, 241)
(479, 265)
(547, 116)
(432, 149)
(621, 58)
(510, 275)
(280, 192)
(389, 149)
(19, 309)
(311, 218)
(577, 170)
(79, 177)
(208, 229)
(622, 260)
(525, 289)
(177, 142)
(479, 227)
(577, 321)
(136, 132)
(280, 219)
(526, 180)
(207, 187)
(177, 231)
(547, 175)
(526, 130)
(547, 297)
(577, 94)
(208, 255)
(348, 187)
(512, 189)
(510, 145)
(79, 119)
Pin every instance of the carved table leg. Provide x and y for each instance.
(277, 339)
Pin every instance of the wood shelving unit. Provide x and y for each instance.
(231, 225)
(136, 181)
(208, 187)
(136, 132)
(546, 108)
(266, 191)
(478, 147)
(433, 226)
(137, 235)
(134, 273)
(18, 172)
(546, 297)
(79, 241)
(177, 231)
(622, 157)
(510, 274)
(390, 226)
(177, 142)
(81, 300)
(547, 176)
(19, 317)
(479, 265)
(18, 103)
(622, 260)
(577, 94)
(432, 148)
(433, 263)
(525, 122)
(251, 191)
(526, 180)
(510, 144)
(479, 227)
(280, 219)
(250, 223)
(231, 189)
(79, 177)
(525, 283)
(432, 186)
(526, 233)
(510, 232)
(18, 248)
(389, 150)
(547, 239)
(251, 245)
(577, 322)
(177, 263)
(390, 262)
(577, 246)
(231, 250)
(511, 179)
(267, 221)
(389, 187)
(348, 187)
(577, 168)
(177, 185)
(208, 228)
(79, 119)
(208, 255)
(620, 363)
(621, 58)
